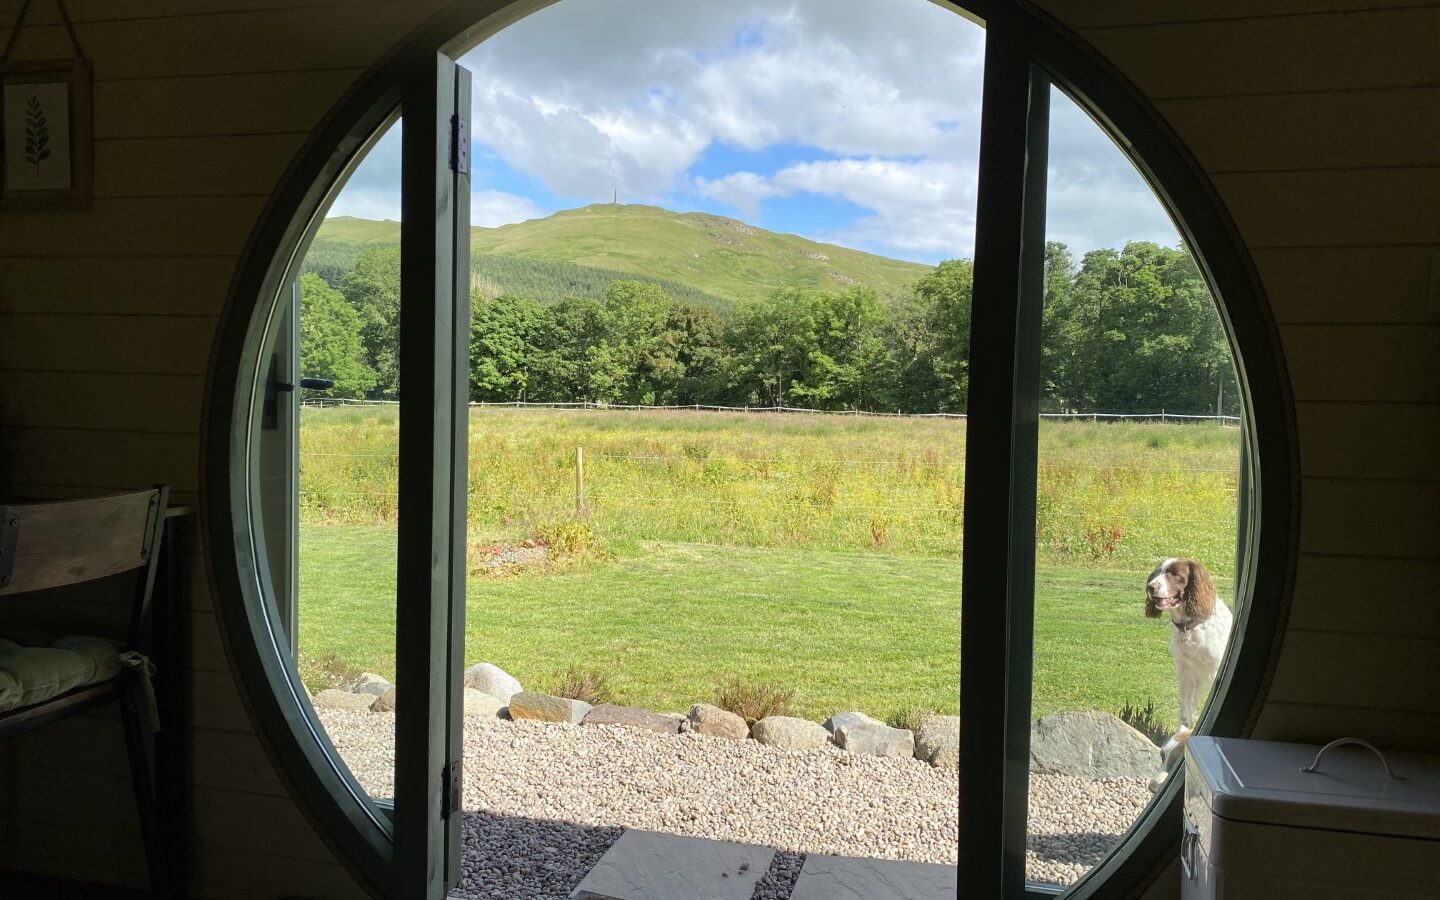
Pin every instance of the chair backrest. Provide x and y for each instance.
(53, 544)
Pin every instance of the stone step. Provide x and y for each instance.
(648, 865)
(851, 878)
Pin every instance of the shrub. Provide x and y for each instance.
(319, 673)
(1144, 720)
(908, 717)
(753, 702)
(587, 685)
(570, 539)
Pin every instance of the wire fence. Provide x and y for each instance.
(1161, 416)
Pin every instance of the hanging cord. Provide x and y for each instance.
(20, 22)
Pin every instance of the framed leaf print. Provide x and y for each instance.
(46, 155)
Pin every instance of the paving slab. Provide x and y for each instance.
(852, 878)
(648, 865)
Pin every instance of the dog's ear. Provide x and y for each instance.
(1199, 593)
(1151, 610)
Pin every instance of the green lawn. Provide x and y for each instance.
(820, 553)
(847, 630)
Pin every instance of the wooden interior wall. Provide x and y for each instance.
(106, 324)
(1316, 119)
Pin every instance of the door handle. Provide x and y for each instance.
(269, 415)
(1189, 843)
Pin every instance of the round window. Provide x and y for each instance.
(706, 381)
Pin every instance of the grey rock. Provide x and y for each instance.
(938, 741)
(876, 739)
(839, 720)
(1090, 745)
(368, 683)
(385, 702)
(789, 733)
(545, 708)
(335, 699)
(717, 722)
(631, 717)
(479, 704)
(493, 680)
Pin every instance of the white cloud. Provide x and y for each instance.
(558, 98)
(742, 190)
(368, 203)
(924, 208)
(492, 209)
(1095, 197)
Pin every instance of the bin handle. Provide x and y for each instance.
(1314, 767)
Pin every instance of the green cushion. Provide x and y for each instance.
(37, 670)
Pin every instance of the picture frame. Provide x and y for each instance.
(47, 148)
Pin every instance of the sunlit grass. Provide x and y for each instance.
(670, 622)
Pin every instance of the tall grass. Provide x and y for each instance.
(1110, 495)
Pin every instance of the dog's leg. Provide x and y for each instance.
(1172, 751)
(1189, 696)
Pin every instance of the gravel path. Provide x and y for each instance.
(549, 799)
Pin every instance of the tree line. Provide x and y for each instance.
(1130, 330)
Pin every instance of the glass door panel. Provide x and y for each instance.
(349, 300)
(1138, 464)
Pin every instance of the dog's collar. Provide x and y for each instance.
(1183, 629)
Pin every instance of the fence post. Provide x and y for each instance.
(579, 481)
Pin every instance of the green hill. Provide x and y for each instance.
(710, 255)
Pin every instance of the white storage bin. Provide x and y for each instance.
(1258, 826)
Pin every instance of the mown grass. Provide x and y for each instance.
(671, 623)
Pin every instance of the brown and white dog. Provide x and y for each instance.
(1200, 625)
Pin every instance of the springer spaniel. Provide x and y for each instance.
(1199, 633)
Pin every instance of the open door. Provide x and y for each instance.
(423, 816)
(430, 584)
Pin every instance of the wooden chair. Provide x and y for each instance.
(55, 544)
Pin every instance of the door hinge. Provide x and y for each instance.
(460, 145)
(451, 781)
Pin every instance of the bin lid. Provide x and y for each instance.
(1263, 782)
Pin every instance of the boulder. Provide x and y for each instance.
(335, 699)
(717, 722)
(789, 733)
(840, 720)
(877, 739)
(479, 704)
(938, 741)
(493, 680)
(631, 717)
(1090, 745)
(545, 708)
(385, 702)
(368, 683)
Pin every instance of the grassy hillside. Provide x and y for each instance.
(710, 254)
(544, 280)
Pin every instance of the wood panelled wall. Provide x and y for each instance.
(1318, 121)
(106, 324)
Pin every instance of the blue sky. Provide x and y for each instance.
(849, 121)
